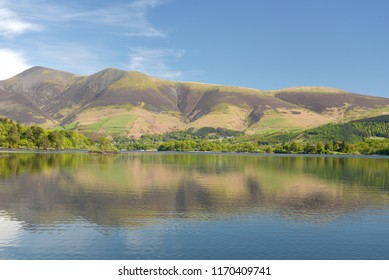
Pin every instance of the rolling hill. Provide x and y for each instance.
(117, 102)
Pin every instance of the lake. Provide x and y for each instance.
(193, 206)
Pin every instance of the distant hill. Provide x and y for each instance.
(117, 102)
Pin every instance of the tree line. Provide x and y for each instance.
(367, 147)
(15, 135)
(369, 136)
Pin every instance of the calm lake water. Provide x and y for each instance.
(193, 206)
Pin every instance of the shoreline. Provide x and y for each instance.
(123, 152)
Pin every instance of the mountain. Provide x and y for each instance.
(118, 102)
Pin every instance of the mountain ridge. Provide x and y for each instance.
(130, 103)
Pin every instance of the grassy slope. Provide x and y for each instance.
(231, 116)
(131, 103)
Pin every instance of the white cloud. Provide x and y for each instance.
(155, 62)
(11, 24)
(12, 63)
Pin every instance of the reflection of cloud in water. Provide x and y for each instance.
(9, 231)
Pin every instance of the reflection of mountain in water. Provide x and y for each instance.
(135, 188)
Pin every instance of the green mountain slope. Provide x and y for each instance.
(124, 103)
(354, 131)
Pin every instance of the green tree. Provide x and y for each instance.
(310, 148)
(56, 139)
(320, 149)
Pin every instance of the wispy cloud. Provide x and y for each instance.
(72, 57)
(11, 24)
(14, 63)
(131, 18)
(155, 62)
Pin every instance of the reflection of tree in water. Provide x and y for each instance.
(122, 189)
(350, 171)
(14, 164)
(204, 163)
(372, 172)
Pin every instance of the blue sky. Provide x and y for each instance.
(264, 44)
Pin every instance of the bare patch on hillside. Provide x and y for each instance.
(285, 119)
(224, 115)
(20, 108)
(152, 123)
(255, 115)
